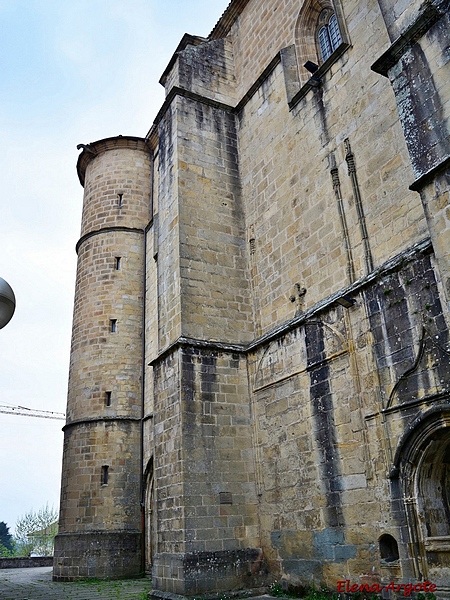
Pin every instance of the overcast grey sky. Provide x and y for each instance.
(72, 71)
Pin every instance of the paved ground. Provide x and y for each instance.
(37, 584)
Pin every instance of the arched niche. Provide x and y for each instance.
(388, 548)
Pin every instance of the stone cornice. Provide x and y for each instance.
(90, 151)
(152, 135)
(390, 266)
(107, 230)
(185, 342)
(258, 83)
(430, 175)
(105, 419)
(314, 81)
(425, 20)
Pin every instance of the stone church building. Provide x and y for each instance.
(259, 384)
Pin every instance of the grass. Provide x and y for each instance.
(311, 593)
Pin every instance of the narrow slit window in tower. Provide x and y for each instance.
(120, 200)
(113, 325)
(118, 262)
(108, 398)
(104, 479)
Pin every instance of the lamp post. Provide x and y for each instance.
(7, 303)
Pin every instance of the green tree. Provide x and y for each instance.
(36, 531)
(4, 552)
(6, 539)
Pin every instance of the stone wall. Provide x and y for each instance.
(215, 291)
(289, 195)
(100, 529)
(291, 287)
(204, 467)
(332, 399)
(26, 563)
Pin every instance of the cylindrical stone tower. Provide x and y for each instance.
(100, 521)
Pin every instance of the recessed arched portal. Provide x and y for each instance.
(432, 483)
(422, 471)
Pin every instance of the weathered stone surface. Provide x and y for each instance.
(106, 554)
(285, 249)
(100, 517)
(208, 572)
(26, 563)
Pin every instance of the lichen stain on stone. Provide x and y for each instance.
(420, 110)
(324, 426)
(400, 308)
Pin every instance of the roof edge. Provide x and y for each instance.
(226, 21)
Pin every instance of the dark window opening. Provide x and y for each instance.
(120, 200)
(108, 398)
(388, 548)
(105, 470)
(118, 260)
(113, 325)
(225, 498)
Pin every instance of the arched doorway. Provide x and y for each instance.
(433, 483)
(422, 466)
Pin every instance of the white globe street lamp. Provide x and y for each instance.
(7, 303)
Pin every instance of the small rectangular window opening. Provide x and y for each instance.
(105, 469)
(118, 260)
(225, 498)
(108, 398)
(113, 325)
(120, 200)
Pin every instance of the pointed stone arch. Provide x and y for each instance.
(420, 480)
(286, 357)
(309, 21)
(428, 377)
